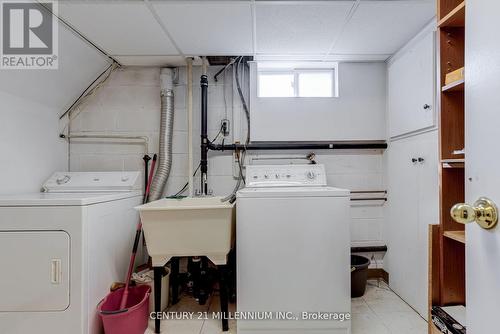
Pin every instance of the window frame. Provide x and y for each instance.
(296, 71)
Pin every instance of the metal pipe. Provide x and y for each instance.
(144, 139)
(219, 72)
(368, 249)
(205, 143)
(190, 124)
(300, 146)
(231, 62)
(166, 133)
(369, 199)
(368, 191)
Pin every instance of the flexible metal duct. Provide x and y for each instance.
(166, 134)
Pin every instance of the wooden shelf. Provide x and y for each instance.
(455, 235)
(453, 160)
(455, 18)
(454, 86)
(453, 163)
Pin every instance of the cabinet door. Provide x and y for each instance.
(402, 218)
(411, 79)
(428, 212)
(36, 271)
(413, 205)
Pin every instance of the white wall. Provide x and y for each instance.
(358, 113)
(129, 104)
(30, 104)
(30, 147)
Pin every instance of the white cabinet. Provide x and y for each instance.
(413, 190)
(411, 85)
(35, 274)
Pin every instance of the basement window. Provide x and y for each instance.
(297, 82)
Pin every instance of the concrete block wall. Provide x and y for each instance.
(129, 104)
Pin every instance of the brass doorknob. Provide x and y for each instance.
(484, 212)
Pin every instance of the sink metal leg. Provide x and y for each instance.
(195, 271)
(174, 279)
(158, 274)
(223, 297)
(204, 282)
(231, 276)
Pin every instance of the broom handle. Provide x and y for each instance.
(151, 173)
(123, 302)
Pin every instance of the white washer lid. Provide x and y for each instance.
(91, 182)
(63, 199)
(273, 192)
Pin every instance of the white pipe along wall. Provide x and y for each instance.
(190, 124)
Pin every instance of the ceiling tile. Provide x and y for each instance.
(118, 27)
(382, 27)
(299, 28)
(212, 28)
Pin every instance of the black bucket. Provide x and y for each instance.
(359, 275)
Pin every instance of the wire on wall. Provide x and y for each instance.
(88, 92)
(240, 156)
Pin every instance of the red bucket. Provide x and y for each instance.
(131, 320)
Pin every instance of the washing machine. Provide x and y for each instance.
(293, 252)
(61, 249)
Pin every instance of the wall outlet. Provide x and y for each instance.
(225, 127)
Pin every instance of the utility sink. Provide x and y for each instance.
(191, 226)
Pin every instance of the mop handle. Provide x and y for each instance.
(151, 173)
(123, 302)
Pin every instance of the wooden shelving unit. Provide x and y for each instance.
(447, 241)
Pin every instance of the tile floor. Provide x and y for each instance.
(379, 311)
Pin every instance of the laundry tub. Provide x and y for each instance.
(191, 226)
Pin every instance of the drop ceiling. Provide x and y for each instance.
(156, 32)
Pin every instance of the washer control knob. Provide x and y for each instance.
(311, 175)
(63, 180)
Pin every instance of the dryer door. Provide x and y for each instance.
(35, 271)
